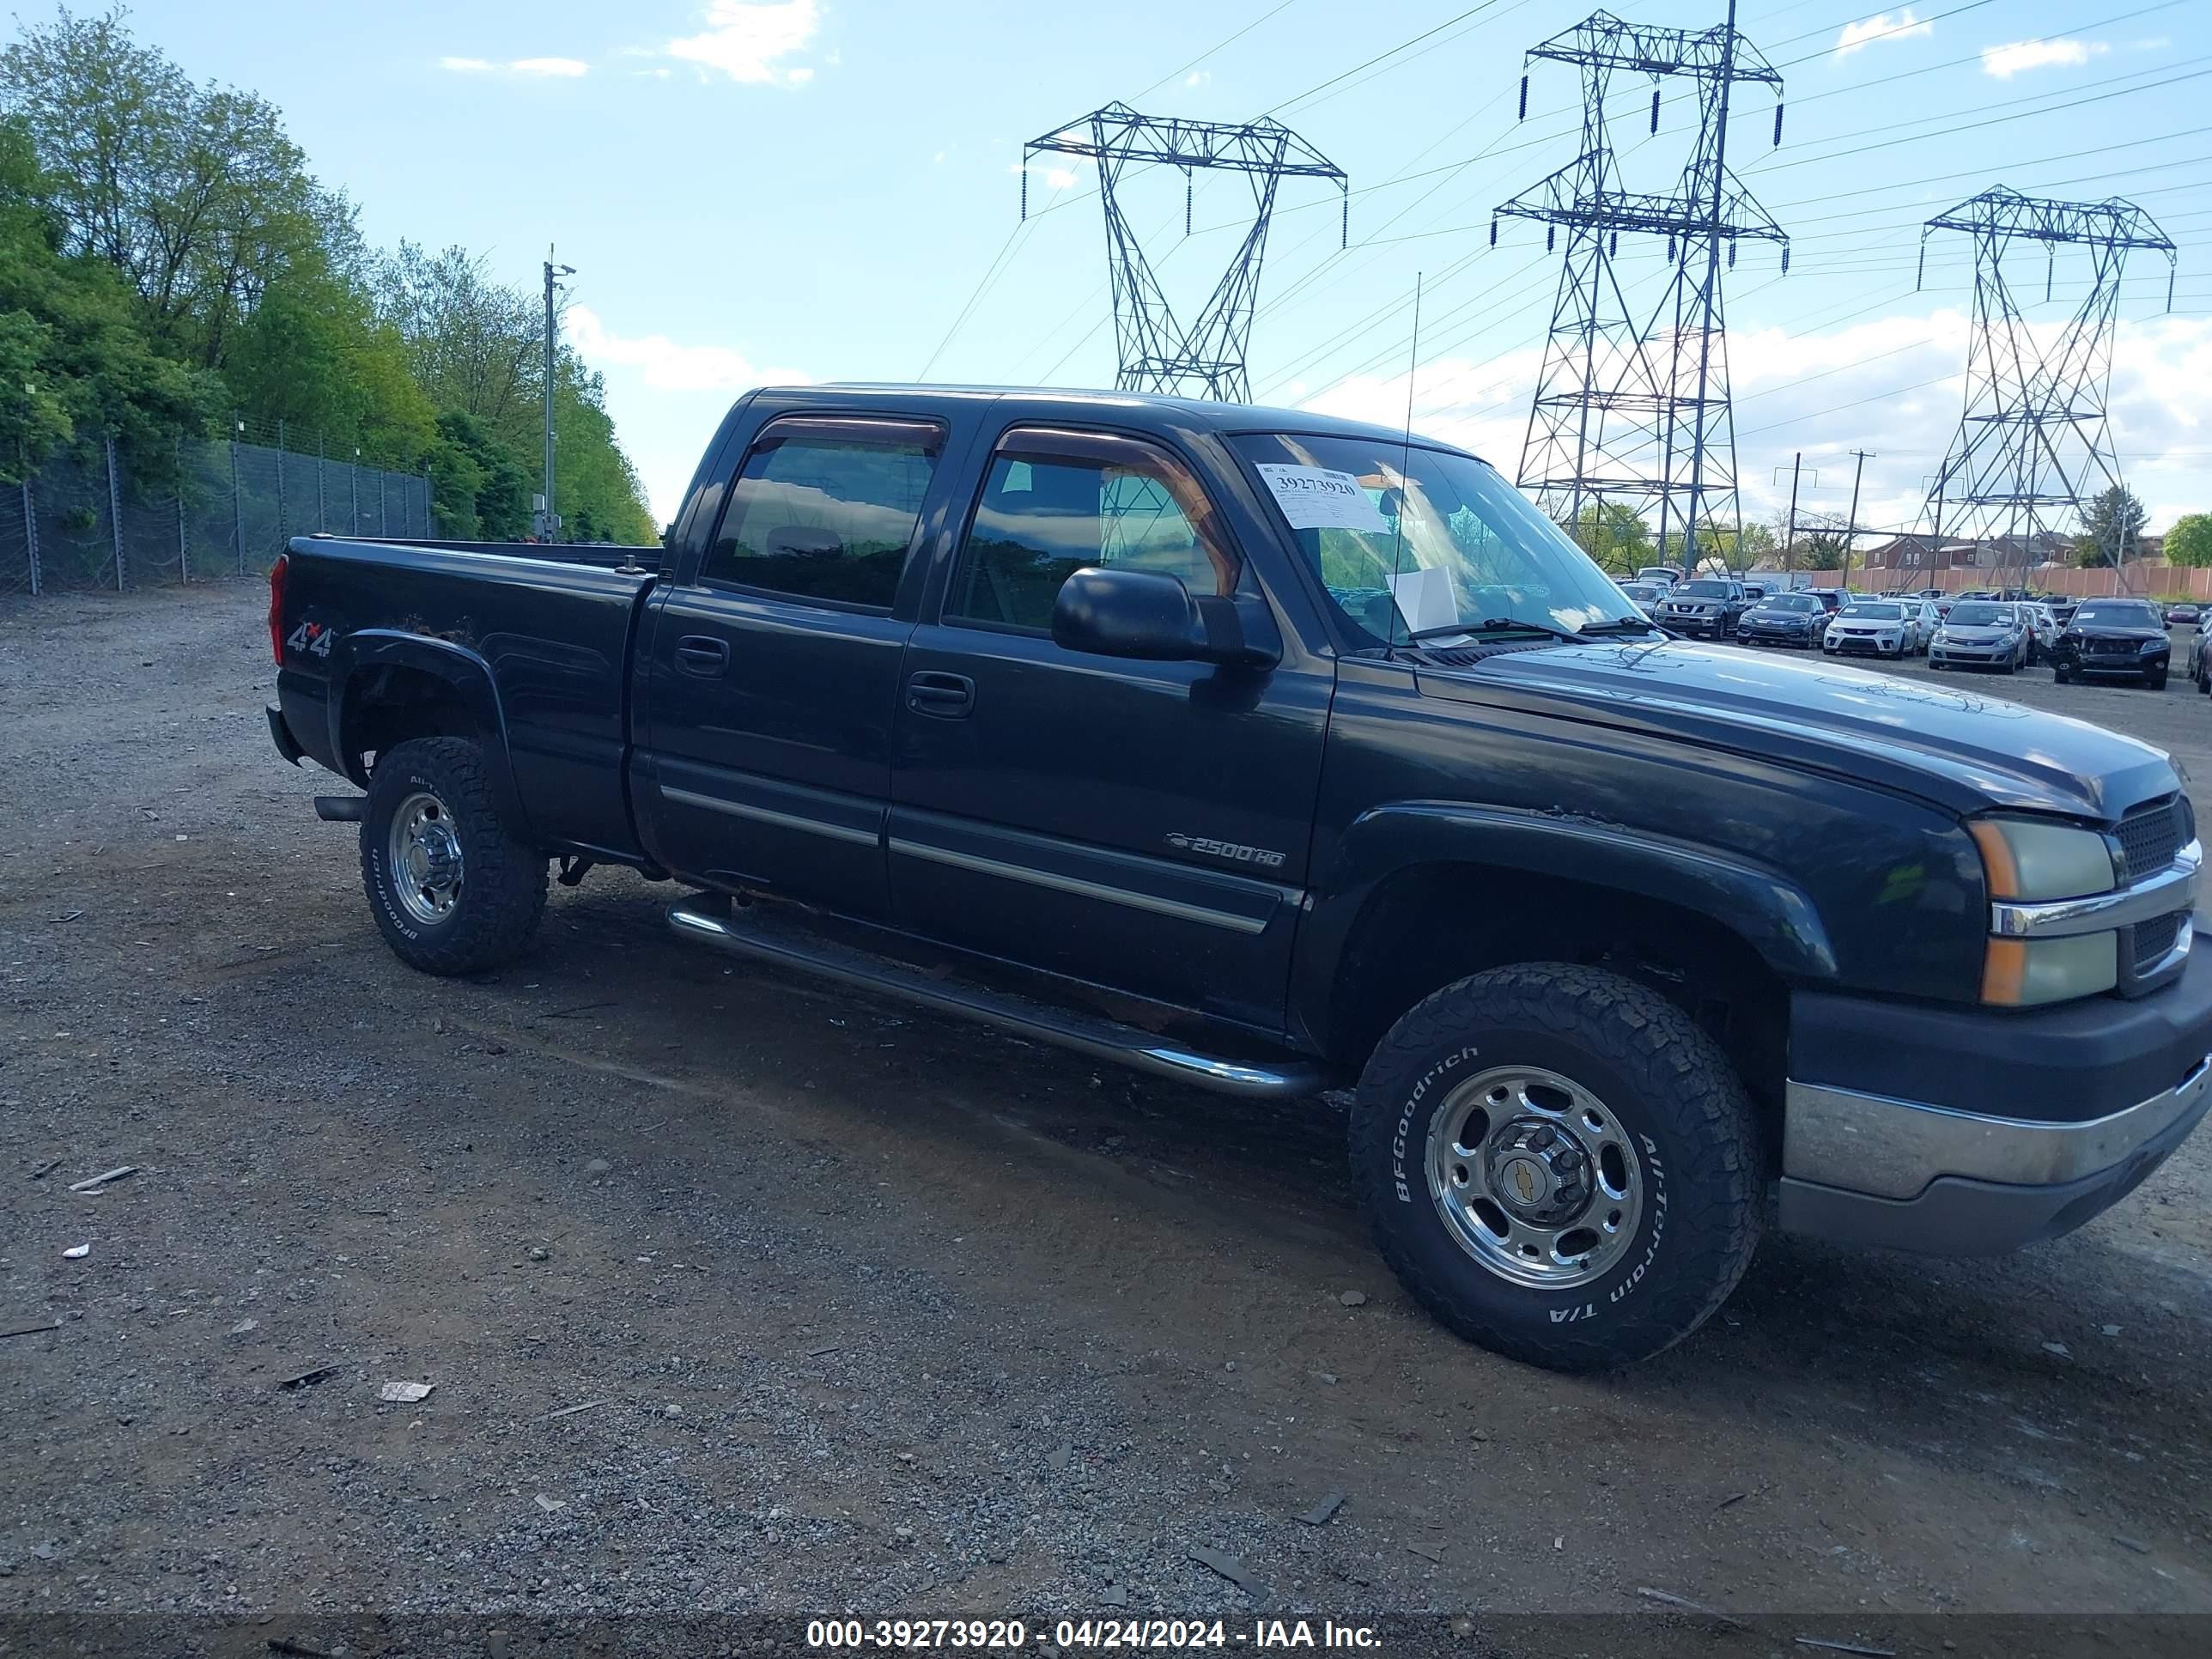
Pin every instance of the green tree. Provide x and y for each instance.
(74, 363)
(2190, 542)
(2110, 525)
(1613, 534)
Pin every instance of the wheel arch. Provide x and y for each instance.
(393, 686)
(1428, 894)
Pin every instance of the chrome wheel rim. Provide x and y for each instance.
(425, 858)
(1534, 1177)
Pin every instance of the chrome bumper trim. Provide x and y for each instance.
(1893, 1148)
(2172, 889)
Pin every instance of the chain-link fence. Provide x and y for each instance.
(220, 509)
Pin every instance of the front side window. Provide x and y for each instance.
(1425, 542)
(825, 509)
(1056, 501)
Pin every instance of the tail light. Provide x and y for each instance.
(276, 572)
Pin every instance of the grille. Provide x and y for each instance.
(2154, 939)
(2150, 836)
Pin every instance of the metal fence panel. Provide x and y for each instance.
(223, 509)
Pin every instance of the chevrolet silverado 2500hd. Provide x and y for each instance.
(1268, 750)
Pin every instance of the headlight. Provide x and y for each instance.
(2022, 973)
(2030, 861)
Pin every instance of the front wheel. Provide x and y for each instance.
(2155, 679)
(451, 888)
(1559, 1164)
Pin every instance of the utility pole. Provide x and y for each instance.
(1789, 536)
(1851, 527)
(549, 519)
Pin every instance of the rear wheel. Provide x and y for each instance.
(1559, 1164)
(451, 889)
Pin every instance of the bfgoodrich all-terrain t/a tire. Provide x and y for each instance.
(1559, 1164)
(451, 888)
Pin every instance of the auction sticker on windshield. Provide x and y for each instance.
(1315, 498)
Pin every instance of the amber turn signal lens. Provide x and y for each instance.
(1997, 860)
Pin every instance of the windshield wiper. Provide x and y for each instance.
(1638, 623)
(1495, 625)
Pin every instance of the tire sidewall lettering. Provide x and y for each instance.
(1403, 1131)
(1591, 1300)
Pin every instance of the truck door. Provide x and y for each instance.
(774, 667)
(1138, 825)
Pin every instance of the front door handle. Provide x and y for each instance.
(703, 655)
(946, 696)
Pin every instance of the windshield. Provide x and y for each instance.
(1640, 592)
(1874, 612)
(1792, 602)
(1977, 613)
(2116, 616)
(1445, 541)
(1703, 590)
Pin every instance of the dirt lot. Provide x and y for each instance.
(874, 1312)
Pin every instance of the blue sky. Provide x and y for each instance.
(816, 188)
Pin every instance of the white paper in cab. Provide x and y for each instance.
(1317, 498)
(1424, 598)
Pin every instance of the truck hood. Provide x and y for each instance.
(1957, 748)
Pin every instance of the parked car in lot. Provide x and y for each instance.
(1267, 751)
(1645, 596)
(2200, 661)
(1872, 628)
(2042, 631)
(2114, 639)
(2187, 614)
(1668, 574)
(1784, 619)
(1705, 607)
(1982, 634)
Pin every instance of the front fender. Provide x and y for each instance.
(358, 655)
(1765, 907)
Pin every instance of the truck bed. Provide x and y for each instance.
(553, 624)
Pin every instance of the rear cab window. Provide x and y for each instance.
(824, 509)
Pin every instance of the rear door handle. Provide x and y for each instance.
(946, 696)
(703, 655)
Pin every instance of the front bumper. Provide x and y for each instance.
(1982, 656)
(1865, 645)
(1970, 1132)
(1753, 634)
(1705, 628)
(2120, 667)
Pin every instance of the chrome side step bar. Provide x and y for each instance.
(1089, 1034)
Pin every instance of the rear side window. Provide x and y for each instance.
(825, 509)
(1056, 501)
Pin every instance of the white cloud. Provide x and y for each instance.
(1198, 77)
(1058, 174)
(2006, 61)
(663, 364)
(555, 69)
(745, 39)
(1856, 37)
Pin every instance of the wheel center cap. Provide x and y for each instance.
(1525, 1180)
(1541, 1173)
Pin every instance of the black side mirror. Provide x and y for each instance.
(1151, 617)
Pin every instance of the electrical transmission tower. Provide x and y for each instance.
(1633, 402)
(1157, 352)
(2035, 442)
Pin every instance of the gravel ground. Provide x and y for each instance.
(849, 1306)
